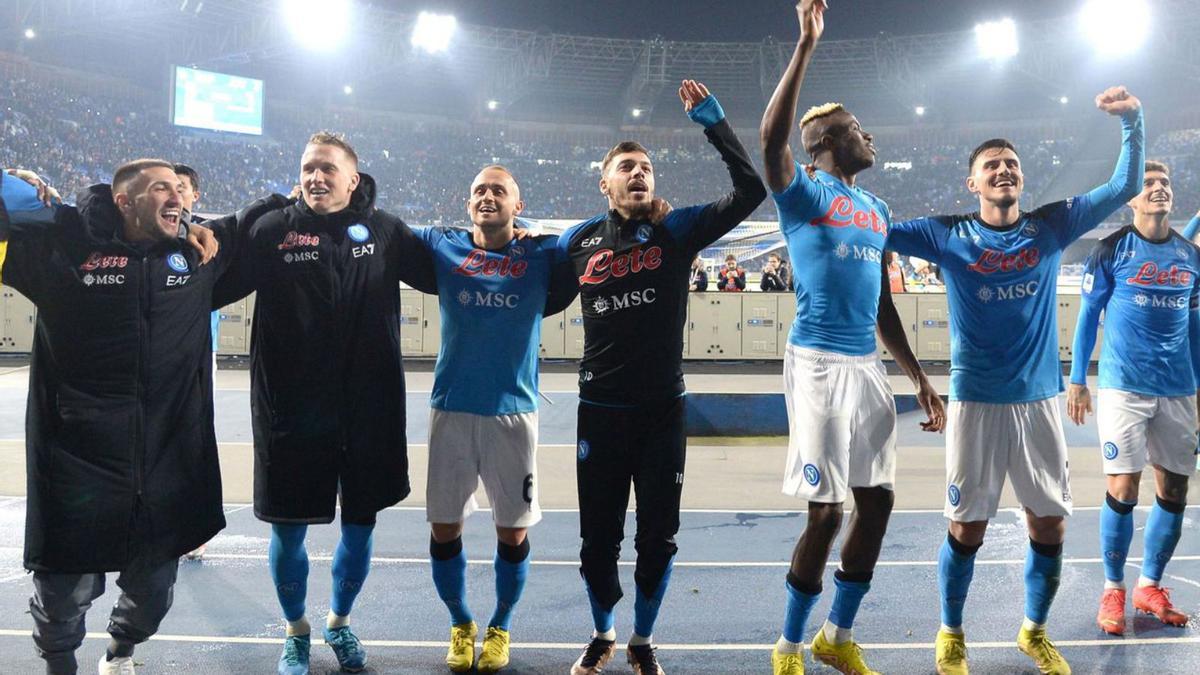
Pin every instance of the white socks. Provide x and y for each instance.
(1114, 584)
(953, 630)
(334, 621)
(298, 627)
(836, 634)
(783, 646)
(610, 634)
(635, 640)
(1143, 581)
(1029, 624)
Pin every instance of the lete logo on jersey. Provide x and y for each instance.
(604, 263)
(842, 213)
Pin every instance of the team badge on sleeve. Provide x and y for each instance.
(584, 449)
(1089, 280)
(1110, 450)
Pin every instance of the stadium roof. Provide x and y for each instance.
(543, 75)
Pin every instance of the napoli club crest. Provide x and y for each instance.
(359, 233)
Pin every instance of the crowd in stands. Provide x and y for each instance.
(423, 166)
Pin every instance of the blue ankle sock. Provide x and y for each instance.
(848, 597)
(645, 609)
(288, 561)
(1116, 531)
(1163, 528)
(1043, 569)
(512, 568)
(956, 567)
(449, 564)
(602, 617)
(799, 606)
(351, 563)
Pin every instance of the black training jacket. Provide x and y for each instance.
(633, 285)
(326, 377)
(121, 456)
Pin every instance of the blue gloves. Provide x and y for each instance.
(708, 112)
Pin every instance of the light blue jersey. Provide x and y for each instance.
(491, 306)
(835, 235)
(1148, 292)
(1002, 285)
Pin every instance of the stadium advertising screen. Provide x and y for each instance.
(217, 101)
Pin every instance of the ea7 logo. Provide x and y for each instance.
(173, 280)
(360, 251)
(588, 243)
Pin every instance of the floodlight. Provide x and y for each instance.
(636, 112)
(1115, 27)
(320, 25)
(920, 110)
(433, 32)
(30, 34)
(997, 40)
(1064, 100)
(493, 104)
(347, 90)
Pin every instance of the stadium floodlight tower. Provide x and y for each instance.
(1115, 27)
(997, 40)
(319, 25)
(433, 32)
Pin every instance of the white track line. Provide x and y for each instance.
(575, 646)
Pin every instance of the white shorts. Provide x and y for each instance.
(841, 424)
(1134, 427)
(987, 441)
(500, 450)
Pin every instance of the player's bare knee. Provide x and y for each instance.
(446, 532)
(1172, 487)
(1046, 529)
(874, 503)
(968, 533)
(511, 536)
(1124, 486)
(824, 519)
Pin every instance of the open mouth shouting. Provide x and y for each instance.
(171, 215)
(638, 187)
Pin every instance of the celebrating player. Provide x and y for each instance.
(1145, 278)
(841, 412)
(327, 380)
(1001, 272)
(123, 473)
(492, 290)
(633, 279)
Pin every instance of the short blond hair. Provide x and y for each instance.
(823, 110)
(336, 140)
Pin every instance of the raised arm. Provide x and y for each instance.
(780, 116)
(1193, 226)
(891, 333)
(699, 226)
(1100, 202)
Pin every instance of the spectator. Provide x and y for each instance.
(772, 275)
(924, 273)
(732, 277)
(895, 272)
(698, 282)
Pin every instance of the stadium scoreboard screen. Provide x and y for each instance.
(217, 101)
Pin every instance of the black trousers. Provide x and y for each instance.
(644, 446)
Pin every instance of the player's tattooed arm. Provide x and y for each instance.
(891, 333)
(780, 115)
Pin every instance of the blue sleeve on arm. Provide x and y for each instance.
(1094, 294)
(708, 112)
(1085, 340)
(1089, 210)
(800, 202)
(21, 207)
(1193, 226)
(923, 237)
